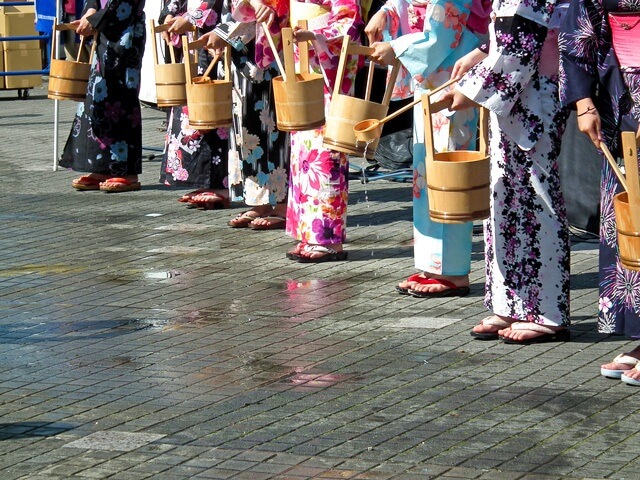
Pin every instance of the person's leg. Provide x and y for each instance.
(527, 239)
(441, 251)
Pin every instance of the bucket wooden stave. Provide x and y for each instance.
(626, 205)
(458, 182)
(628, 235)
(68, 78)
(209, 101)
(298, 97)
(346, 111)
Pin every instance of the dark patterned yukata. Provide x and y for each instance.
(195, 158)
(589, 63)
(106, 135)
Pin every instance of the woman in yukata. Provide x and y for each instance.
(259, 153)
(194, 158)
(428, 37)
(106, 135)
(604, 85)
(527, 234)
(318, 189)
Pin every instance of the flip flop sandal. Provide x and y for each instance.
(85, 183)
(416, 277)
(276, 222)
(242, 220)
(117, 185)
(624, 359)
(490, 321)
(452, 289)
(209, 201)
(329, 255)
(548, 334)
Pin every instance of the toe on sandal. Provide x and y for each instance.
(275, 222)
(209, 201)
(490, 321)
(624, 359)
(416, 277)
(548, 334)
(188, 196)
(119, 184)
(629, 380)
(242, 220)
(328, 255)
(85, 183)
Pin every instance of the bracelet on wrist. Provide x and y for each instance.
(589, 110)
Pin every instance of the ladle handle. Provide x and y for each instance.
(436, 106)
(276, 55)
(210, 67)
(614, 166)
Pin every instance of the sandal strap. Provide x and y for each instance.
(318, 249)
(625, 359)
(532, 327)
(495, 321)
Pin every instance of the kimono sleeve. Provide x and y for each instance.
(115, 18)
(578, 42)
(498, 81)
(422, 53)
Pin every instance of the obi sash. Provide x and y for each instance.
(625, 37)
(316, 15)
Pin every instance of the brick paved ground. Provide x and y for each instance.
(140, 339)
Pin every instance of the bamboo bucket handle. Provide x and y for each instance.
(630, 156)
(430, 108)
(287, 51)
(353, 49)
(614, 166)
(303, 49)
(188, 46)
(275, 51)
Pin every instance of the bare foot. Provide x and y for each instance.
(489, 327)
(529, 332)
(632, 376)
(411, 282)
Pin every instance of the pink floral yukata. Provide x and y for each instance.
(318, 189)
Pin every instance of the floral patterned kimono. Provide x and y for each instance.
(106, 135)
(259, 154)
(588, 62)
(318, 189)
(195, 158)
(428, 38)
(527, 235)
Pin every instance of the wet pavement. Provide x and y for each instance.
(141, 339)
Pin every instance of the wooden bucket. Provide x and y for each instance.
(171, 89)
(208, 100)
(345, 111)
(626, 204)
(68, 78)
(458, 182)
(298, 98)
(628, 234)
